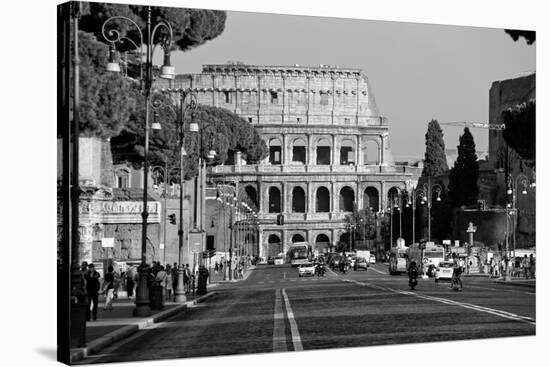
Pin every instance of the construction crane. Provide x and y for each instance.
(479, 125)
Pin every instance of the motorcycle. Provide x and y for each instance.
(413, 275)
(320, 270)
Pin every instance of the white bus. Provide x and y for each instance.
(299, 253)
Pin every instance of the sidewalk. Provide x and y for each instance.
(532, 283)
(117, 324)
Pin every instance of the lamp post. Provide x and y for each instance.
(427, 191)
(113, 37)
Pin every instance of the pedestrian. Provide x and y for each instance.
(116, 283)
(108, 288)
(92, 288)
(168, 283)
(186, 278)
(526, 265)
(532, 266)
(174, 271)
(517, 266)
(160, 281)
(130, 276)
(216, 268)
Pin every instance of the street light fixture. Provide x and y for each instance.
(114, 36)
(512, 190)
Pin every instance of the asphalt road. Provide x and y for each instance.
(275, 310)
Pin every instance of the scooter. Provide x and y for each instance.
(413, 275)
(320, 270)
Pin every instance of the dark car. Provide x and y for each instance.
(271, 260)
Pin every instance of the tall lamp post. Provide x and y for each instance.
(427, 191)
(113, 36)
(413, 196)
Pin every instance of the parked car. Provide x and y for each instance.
(271, 260)
(278, 260)
(361, 263)
(444, 270)
(306, 269)
(372, 259)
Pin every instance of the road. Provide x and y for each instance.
(275, 310)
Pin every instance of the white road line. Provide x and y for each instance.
(378, 271)
(500, 313)
(296, 340)
(279, 338)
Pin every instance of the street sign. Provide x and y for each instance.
(108, 242)
(425, 261)
(446, 242)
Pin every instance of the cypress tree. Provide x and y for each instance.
(465, 172)
(435, 161)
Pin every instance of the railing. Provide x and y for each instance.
(297, 168)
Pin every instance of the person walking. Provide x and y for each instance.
(160, 280)
(168, 283)
(130, 275)
(92, 288)
(108, 288)
(532, 266)
(116, 283)
(526, 265)
(186, 278)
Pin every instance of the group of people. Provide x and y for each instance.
(114, 281)
(518, 267)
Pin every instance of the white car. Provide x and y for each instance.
(306, 269)
(372, 259)
(444, 270)
(279, 261)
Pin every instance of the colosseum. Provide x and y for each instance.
(328, 148)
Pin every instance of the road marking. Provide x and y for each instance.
(378, 271)
(500, 290)
(279, 338)
(500, 313)
(296, 340)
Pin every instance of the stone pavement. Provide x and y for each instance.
(118, 323)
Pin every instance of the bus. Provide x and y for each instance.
(299, 253)
(398, 260)
(433, 254)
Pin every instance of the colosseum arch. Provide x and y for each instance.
(371, 199)
(299, 151)
(322, 200)
(347, 152)
(274, 200)
(347, 198)
(274, 245)
(371, 152)
(298, 200)
(275, 151)
(252, 194)
(323, 149)
(298, 238)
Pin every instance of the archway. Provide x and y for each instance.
(298, 200)
(275, 151)
(371, 199)
(322, 243)
(252, 194)
(347, 197)
(275, 247)
(299, 151)
(323, 200)
(298, 238)
(371, 153)
(323, 151)
(274, 200)
(347, 152)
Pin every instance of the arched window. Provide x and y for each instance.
(323, 151)
(252, 195)
(370, 152)
(323, 200)
(347, 152)
(347, 198)
(274, 200)
(298, 238)
(371, 199)
(275, 151)
(299, 151)
(322, 238)
(298, 200)
(275, 247)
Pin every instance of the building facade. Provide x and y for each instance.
(328, 148)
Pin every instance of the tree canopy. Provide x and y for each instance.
(435, 161)
(463, 189)
(520, 131)
(191, 27)
(530, 36)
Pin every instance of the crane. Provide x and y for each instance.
(480, 125)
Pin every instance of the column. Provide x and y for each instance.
(285, 150)
(361, 156)
(382, 147)
(284, 204)
(333, 160)
(310, 200)
(357, 141)
(284, 99)
(359, 195)
(334, 207)
(310, 150)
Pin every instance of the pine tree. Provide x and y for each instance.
(465, 172)
(435, 161)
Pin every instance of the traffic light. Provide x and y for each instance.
(212, 252)
(280, 220)
(172, 218)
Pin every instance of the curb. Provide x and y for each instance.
(95, 346)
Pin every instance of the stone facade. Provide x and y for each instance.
(328, 144)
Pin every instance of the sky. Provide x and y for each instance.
(418, 72)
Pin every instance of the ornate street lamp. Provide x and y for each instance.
(513, 183)
(114, 36)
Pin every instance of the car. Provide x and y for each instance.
(271, 260)
(306, 269)
(351, 260)
(335, 261)
(278, 260)
(444, 271)
(372, 259)
(361, 263)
